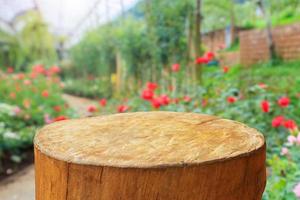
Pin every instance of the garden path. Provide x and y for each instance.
(20, 186)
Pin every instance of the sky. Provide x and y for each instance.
(68, 17)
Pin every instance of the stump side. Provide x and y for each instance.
(234, 179)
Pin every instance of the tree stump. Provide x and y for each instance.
(149, 156)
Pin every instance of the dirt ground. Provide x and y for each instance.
(20, 186)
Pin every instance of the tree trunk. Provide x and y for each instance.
(149, 156)
(191, 69)
(270, 40)
(232, 25)
(198, 40)
(118, 73)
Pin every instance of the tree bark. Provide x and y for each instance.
(149, 156)
(198, 40)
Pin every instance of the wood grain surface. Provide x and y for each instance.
(149, 156)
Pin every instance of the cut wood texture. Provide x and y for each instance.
(149, 156)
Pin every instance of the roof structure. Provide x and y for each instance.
(66, 17)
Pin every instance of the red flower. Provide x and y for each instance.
(147, 94)
(60, 118)
(171, 88)
(209, 55)
(225, 69)
(39, 69)
(57, 108)
(283, 102)
(290, 124)
(10, 70)
(54, 69)
(262, 85)
(156, 103)
(45, 93)
(12, 95)
(164, 99)
(122, 108)
(231, 99)
(187, 99)
(202, 60)
(265, 106)
(277, 121)
(175, 67)
(176, 100)
(152, 86)
(92, 108)
(20, 76)
(204, 103)
(103, 102)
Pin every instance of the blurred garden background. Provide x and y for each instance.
(238, 59)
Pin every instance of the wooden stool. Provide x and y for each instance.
(149, 156)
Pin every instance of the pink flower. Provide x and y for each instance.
(262, 85)
(17, 110)
(291, 139)
(175, 67)
(92, 108)
(187, 99)
(277, 121)
(283, 102)
(27, 82)
(296, 190)
(284, 151)
(103, 102)
(10, 70)
(47, 119)
(231, 99)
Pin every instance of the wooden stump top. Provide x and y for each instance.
(147, 139)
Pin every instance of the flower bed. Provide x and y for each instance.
(274, 112)
(27, 101)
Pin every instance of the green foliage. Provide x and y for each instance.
(91, 88)
(284, 175)
(143, 47)
(30, 44)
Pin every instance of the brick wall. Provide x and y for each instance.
(254, 47)
(213, 40)
(229, 58)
